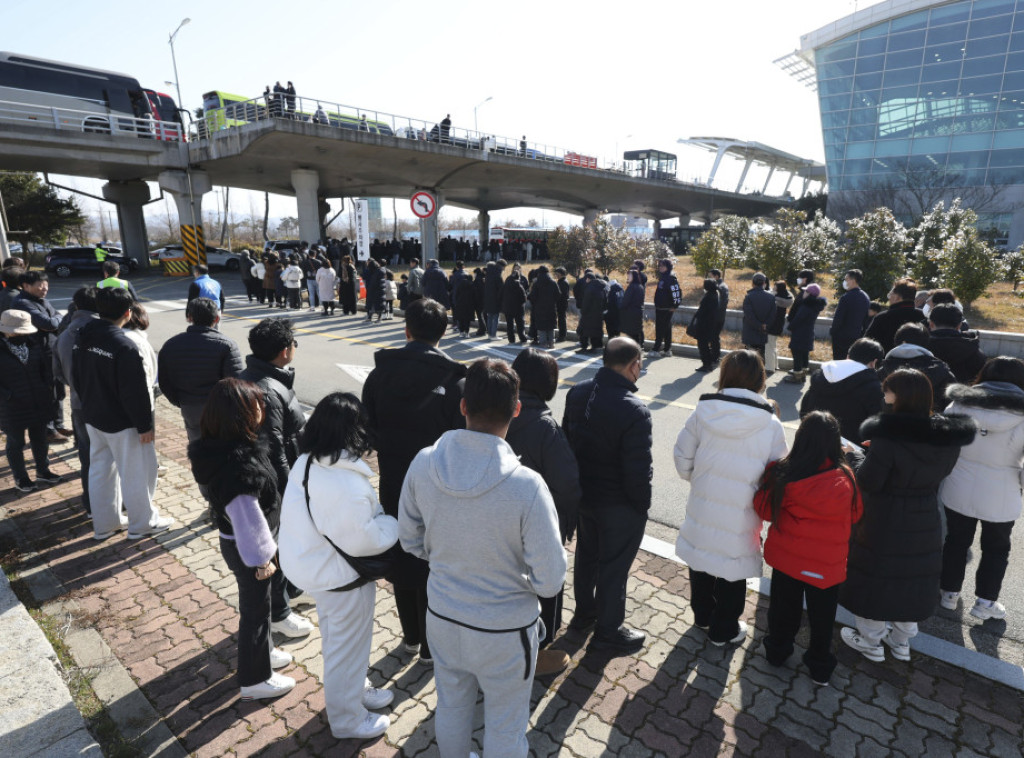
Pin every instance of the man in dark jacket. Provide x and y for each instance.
(960, 350)
(513, 304)
(901, 311)
(273, 346)
(758, 313)
(110, 379)
(544, 296)
(912, 351)
(590, 328)
(493, 281)
(412, 397)
(723, 307)
(609, 429)
(190, 363)
(34, 287)
(435, 283)
(851, 313)
(563, 301)
(849, 388)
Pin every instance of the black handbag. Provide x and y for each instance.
(369, 567)
(691, 328)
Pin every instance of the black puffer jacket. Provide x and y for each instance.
(25, 395)
(849, 393)
(609, 429)
(563, 294)
(961, 351)
(283, 418)
(544, 303)
(492, 289)
(631, 310)
(435, 285)
(464, 299)
(229, 468)
(412, 397)
(45, 318)
(513, 295)
(108, 373)
(896, 549)
(190, 363)
(707, 315)
(884, 326)
(595, 299)
(541, 445)
(916, 357)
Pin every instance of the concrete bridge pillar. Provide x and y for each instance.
(484, 231)
(684, 220)
(187, 189)
(657, 227)
(306, 183)
(130, 198)
(590, 216)
(428, 231)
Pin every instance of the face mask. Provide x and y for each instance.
(846, 285)
(801, 281)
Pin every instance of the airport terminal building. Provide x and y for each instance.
(921, 99)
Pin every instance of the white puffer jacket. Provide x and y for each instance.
(722, 451)
(345, 508)
(989, 474)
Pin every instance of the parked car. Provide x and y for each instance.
(282, 247)
(216, 257)
(65, 261)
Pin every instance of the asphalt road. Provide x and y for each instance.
(336, 353)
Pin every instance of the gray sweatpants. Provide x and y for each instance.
(121, 467)
(466, 662)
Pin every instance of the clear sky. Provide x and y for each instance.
(596, 77)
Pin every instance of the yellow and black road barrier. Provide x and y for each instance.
(175, 266)
(192, 240)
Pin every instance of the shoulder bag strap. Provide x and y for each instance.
(358, 581)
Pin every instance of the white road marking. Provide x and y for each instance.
(359, 373)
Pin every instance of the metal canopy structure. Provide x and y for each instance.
(650, 164)
(763, 155)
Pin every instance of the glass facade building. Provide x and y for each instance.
(929, 89)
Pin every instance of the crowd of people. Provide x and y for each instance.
(874, 505)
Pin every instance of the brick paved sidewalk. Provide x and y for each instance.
(167, 609)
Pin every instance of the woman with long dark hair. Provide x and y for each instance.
(330, 505)
(810, 496)
(703, 325)
(232, 464)
(896, 551)
(631, 309)
(348, 286)
(985, 485)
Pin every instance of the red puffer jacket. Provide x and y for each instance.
(810, 541)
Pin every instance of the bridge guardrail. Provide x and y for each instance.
(91, 122)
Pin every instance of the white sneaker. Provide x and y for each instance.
(162, 524)
(374, 725)
(292, 626)
(852, 638)
(654, 354)
(899, 652)
(740, 636)
(280, 658)
(948, 600)
(275, 686)
(988, 609)
(100, 536)
(375, 699)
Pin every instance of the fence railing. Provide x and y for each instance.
(90, 122)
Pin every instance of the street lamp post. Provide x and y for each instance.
(200, 254)
(475, 127)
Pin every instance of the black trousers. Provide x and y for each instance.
(562, 326)
(82, 446)
(481, 322)
(759, 349)
(841, 348)
(411, 603)
(258, 602)
(551, 615)
(607, 542)
(716, 343)
(706, 350)
(995, 554)
(784, 612)
(16, 448)
(717, 604)
(663, 329)
(801, 359)
(294, 297)
(515, 323)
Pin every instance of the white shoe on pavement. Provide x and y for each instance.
(899, 652)
(280, 658)
(292, 626)
(374, 725)
(275, 686)
(100, 536)
(162, 524)
(948, 600)
(740, 636)
(852, 638)
(988, 609)
(374, 698)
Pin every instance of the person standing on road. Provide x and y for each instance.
(722, 451)
(259, 271)
(310, 266)
(327, 284)
(205, 286)
(25, 400)
(375, 290)
(541, 445)
(758, 312)
(245, 264)
(631, 310)
(544, 307)
(705, 324)
(563, 302)
(291, 276)
(902, 310)
(112, 278)
(84, 301)
(667, 297)
(109, 375)
(849, 389)
(488, 527)
(435, 283)
(811, 499)
(895, 564)
(464, 296)
(801, 328)
(348, 286)
(723, 309)
(851, 314)
(191, 363)
(231, 462)
(412, 398)
(590, 328)
(415, 280)
(985, 484)
(783, 300)
(493, 281)
(513, 305)
(609, 429)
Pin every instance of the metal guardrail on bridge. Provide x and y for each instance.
(89, 122)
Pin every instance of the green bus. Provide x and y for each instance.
(222, 110)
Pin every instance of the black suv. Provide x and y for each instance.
(65, 261)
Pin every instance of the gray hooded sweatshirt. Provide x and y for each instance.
(488, 527)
